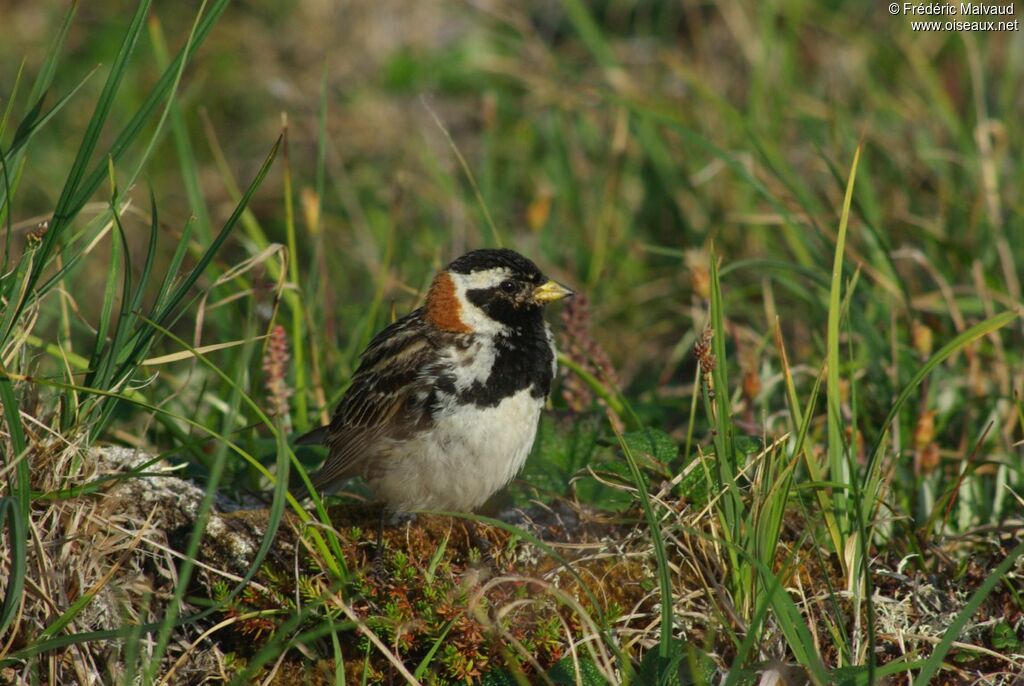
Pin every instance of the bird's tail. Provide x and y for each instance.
(317, 436)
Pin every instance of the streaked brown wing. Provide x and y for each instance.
(381, 402)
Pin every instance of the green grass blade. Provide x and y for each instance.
(282, 641)
(802, 418)
(661, 559)
(126, 320)
(11, 98)
(295, 304)
(5, 213)
(837, 449)
(135, 302)
(181, 249)
(339, 658)
(589, 31)
(424, 665)
(184, 149)
(14, 509)
(185, 569)
(721, 416)
(35, 121)
(15, 522)
(791, 622)
(99, 362)
(6, 199)
(794, 627)
(49, 66)
(717, 404)
(15, 287)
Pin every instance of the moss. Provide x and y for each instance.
(432, 595)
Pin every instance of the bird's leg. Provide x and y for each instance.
(396, 518)
(482, 544)
(380, 532)
(378, 553)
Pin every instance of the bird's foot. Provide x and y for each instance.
(487, 553)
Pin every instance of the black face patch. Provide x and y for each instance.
(509, 301)
(514, 308)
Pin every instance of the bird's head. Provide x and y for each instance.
(490, 291)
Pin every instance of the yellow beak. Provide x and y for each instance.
(551, 291)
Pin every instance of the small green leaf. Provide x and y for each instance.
(1004, 637)
(694, 486)
(564, 672)
(684, 666)
(498, 677)
(965, 657)
(749, 445)
(560, 457)
(652, 443)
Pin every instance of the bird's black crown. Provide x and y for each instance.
(490, 258)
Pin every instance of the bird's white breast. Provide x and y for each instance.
(467, 455)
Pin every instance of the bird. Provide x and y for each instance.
(443, 408)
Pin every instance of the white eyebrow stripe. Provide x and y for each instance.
(471, 315)
(487, 278)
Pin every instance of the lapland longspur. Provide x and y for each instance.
(443, 409)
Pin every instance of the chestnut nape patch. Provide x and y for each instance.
(443, 308)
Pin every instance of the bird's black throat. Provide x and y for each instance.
(523, 358)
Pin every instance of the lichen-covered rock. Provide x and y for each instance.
(153, 491)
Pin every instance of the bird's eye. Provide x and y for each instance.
(509, 286)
